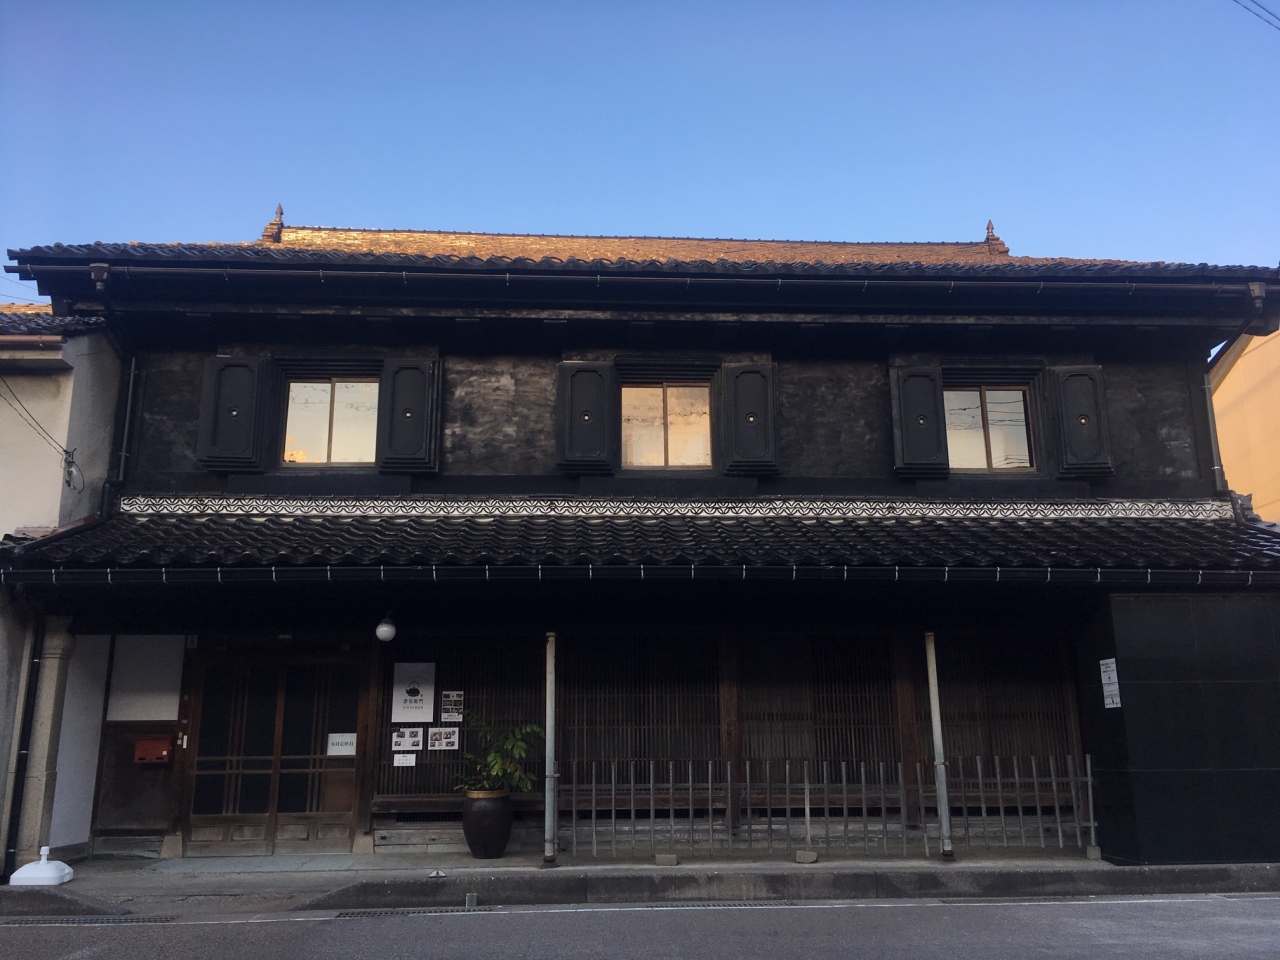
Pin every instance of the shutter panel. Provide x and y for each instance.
(919, 422)
(588, 405)
(1082, 421)
(230, 415)
(409, 416)
(748, 411)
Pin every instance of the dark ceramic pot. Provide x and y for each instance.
(486, 822)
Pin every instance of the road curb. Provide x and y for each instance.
(52, 902)
(681, 884)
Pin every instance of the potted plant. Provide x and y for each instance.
(497, 771)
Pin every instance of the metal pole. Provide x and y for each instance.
(552, 819)
(939, 760)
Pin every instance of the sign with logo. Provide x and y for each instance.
(1110, 683)
(413, 693)
(442, 738)
(406, 738)
(342, 745)
(450, 706)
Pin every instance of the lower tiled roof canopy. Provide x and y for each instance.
(804, 533)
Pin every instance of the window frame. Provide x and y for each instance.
(327, 464)
(1034, 468)
(665, 384)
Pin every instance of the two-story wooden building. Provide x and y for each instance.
(738, 479)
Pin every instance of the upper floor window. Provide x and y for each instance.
(988, 428)
(666, 425)
(331, 421)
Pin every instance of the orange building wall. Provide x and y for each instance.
(1246, 405)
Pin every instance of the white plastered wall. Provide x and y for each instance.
(146, 678)
(31, 469)
(79, 741)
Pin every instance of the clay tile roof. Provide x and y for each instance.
(37, 319)
(438, 249)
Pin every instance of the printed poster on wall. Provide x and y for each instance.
(341, 745)
(450, 706)
(406, 738)
(405, 760)
(1110, 683)
(442, 738)
(413, 693)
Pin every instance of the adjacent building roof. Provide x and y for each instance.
(284, 244)
(693, 535)
(37, 319)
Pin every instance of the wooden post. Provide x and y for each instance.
(908, 725)
(46, 729)
(551, 810)
(731, 749)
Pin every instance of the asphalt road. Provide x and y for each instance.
(1200, 927)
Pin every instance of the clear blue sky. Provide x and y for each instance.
(1091, 129)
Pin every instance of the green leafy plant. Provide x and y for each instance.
(500, 763)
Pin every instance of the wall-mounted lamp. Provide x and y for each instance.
(386, 630)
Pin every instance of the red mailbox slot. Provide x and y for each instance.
(153, 750)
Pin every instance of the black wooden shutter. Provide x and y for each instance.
(588, 405)
(409, 416)
(919, 424)
(230, 438)
(750, 447)
(1082, 421)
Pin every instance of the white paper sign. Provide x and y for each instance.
(342, 745)
(442, 738)
(451, 706)
(404, 760)
(406, 738)
(413, 693)
(1110, 683)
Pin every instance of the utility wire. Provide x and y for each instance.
(1270, 23)
(57, 448)
(35, 424)
(1271, 13)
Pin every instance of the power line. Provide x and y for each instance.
(34, 423)
(1271, 13)
(56, 448)
(1270, 23)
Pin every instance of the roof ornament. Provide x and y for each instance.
(995, 245)
(272, 231)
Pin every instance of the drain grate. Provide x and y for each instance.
(407, 912)
(80, 921)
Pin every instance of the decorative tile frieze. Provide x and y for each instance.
(764, 508)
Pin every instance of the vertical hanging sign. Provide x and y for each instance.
(413, 693)
(1110, 683)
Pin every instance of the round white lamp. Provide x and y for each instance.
(386, 630)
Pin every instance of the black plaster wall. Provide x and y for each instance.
(1149, 409)
(499, 415)
(167, 423)
(834, 419)
(834, 434)
(1188, 767)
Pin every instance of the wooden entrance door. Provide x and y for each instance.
(274, 766)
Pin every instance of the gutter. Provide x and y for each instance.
(177, 576)
(39, 341)
(98, 275)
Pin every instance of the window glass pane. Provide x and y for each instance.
(355, 422)
(689, 426)
(306, 430)
(966, 448)
(642, 429)
(1007, 421)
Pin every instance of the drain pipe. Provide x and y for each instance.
(551, 817)
(939, 758)
(24, 752)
